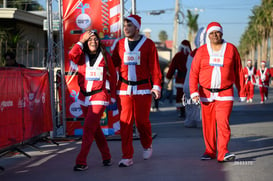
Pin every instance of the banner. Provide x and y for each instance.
(79, 16)
(25, 110)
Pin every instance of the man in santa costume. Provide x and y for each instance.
(249, 72)
(263, 74)
(136, 59)
(178, 67)
(216, 67)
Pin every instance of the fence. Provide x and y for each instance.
(28, 54)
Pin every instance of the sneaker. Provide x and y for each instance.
(250, 100)
(107, 162)
(247, 101)
(147, 153)
(206, 157)
(262, 102)
(265, 98)
(229, 157)
(125, 162)
(80, 167)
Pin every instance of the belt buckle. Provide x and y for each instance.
(214, 90)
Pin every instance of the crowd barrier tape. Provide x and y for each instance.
(25, 109)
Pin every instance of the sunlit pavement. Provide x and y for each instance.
(176, 152)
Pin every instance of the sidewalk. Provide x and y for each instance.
(176, 156)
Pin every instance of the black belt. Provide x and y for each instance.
(144, 81)
(218, 90)
(90, 93)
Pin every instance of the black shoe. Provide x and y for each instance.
(80, 167)
(107, 162)
(206, 157)
(229, 157)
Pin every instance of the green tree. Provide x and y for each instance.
(162, 36)
(192, 25)
(258, 33)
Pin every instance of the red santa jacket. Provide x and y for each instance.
(137, 68)
(93, 78)
(250, 74)
(264, 77)
(216, 75)
(178, 63)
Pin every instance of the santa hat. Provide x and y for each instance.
(186, 46)
(214, 26)
(135, 19)
(249, 61)
(263, 62)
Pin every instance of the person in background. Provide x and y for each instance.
(94, 68)
(10, 60)
(167, 92)
(178, 66)
(136, 59)
(192, 119)
(216, 66)
(263, 75)
(249, 72)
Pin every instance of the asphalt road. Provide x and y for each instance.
(176, 155)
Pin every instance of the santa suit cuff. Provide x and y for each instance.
(80, 44)
(156, 87)
(242, 99)
(194, 94)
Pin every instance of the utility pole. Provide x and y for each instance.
(175, 28)
(4, 3)
(133, 6)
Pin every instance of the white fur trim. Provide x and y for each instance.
(80, 44)
(156, 87)
(137, 92)
(134, 21)
(214, 28)
(194, 94)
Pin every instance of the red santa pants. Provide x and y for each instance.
(249, 87)
(134, 108)
(179, 95)
(215, 118)
(91, 130)
(263, 92)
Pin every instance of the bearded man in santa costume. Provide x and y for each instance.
(263, 75)
(215, 68)
(136, 60)
(179, 69)
(249, 72)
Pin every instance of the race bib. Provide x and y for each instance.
(94, 73)
(216, 61)
(132, 58)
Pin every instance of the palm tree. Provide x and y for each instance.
(259, 31)
(192, 25)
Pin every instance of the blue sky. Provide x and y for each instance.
(233, 15)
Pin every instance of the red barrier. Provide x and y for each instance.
(25, 110)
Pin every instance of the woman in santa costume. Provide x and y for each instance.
(94, 68)
(249, 72)
(136, 59)
(263, 74)
(215, 68)
(179, 69)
